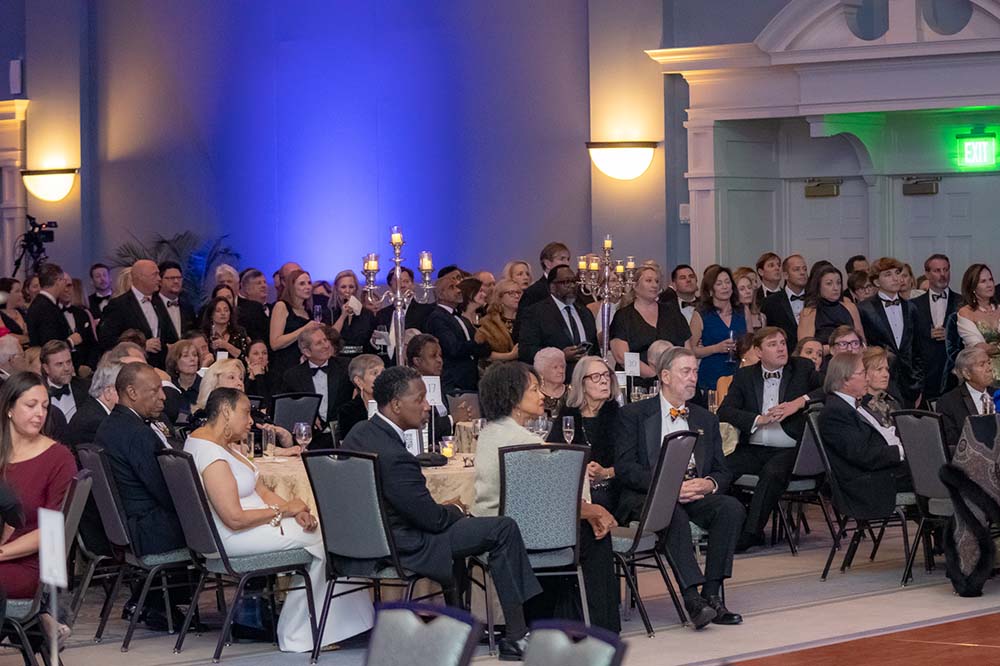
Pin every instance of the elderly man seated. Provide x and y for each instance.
(973, 397)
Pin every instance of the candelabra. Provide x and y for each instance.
(605, 280)
(396, 294)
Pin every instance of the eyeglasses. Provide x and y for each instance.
(853, 344)
(598, 377)
(512, 292)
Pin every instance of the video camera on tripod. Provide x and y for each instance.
(33, 241)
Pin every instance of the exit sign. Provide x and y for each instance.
(977, 151)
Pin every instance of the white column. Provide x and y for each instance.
(702, 188)
(13, 206)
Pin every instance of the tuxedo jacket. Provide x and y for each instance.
(760, 297)
(637, 444)
(123, 312)
(777, 309)
(419, 524)
(543, 325)
(45, 322)
(94, 303)
(79, 388)
(934, 353)
(87, 352)
(536, 291)
(954, 407)
(188, 317)
(255, 319)
(130, 446)
(299, 379)
(862, 460)
(906, 373)
(88, 418)
(745, 399)
(461, 356)
(415, 317)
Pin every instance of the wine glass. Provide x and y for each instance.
(318, 313)
(477, 427)
(303, 434)
(713, 405)
(568, 429)
(381, 337)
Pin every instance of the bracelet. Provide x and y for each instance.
(276, 521)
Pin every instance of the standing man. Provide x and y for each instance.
(100, 279)
(552, 255)
(179, 312)
(558, 321)
(253, 312)
(415, 313)
(139, 308)
(80, 321)
(459, 348)
(932, 311)
(784, 308)
(45, 319)
(683, 289)
(769, 271)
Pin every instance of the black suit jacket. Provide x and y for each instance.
(862, 460)
(188, 320)
(84, 424)
(777, 309)
(954, 407)
(637, 444)
(937, 380)
(416, 315)
(745, 399)
(123, 312)
(338, 385)
(85, 353)
(255, 318)
(536, 291)
(760, 297)
(45, 322)
(94, 303)
(543, 325)
(419, 524)
(461, 356)
(906, 374)
(131, 447)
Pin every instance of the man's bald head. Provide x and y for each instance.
(287, 268)
(146, 277)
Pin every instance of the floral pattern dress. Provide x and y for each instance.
(978, 332)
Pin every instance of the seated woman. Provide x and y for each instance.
(879, 402)
(251, 519)
(594, 411)
(509, 395)
(550, 364)
(810, 348)
(10, 312)
(182, 366)
(497, 327)
(39, 471)
(363, 371)
(257, 381)
(219, 326)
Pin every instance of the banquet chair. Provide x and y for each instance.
(562, 643)
(540, 488)
(256, 401)
(347, 488)
(471, 399)
(205, 545)
(291, 408)
(633, 546)
(922, 436)
(22, 615)
(408, 634)
(156, 565)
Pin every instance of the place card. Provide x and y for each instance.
(632, 364)
(52, 548)
(412, 440)
(433, 385)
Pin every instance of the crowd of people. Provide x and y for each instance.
(134, 367)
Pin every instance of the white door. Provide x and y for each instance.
(832, 228)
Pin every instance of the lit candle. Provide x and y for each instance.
(582, 264)
(619, 268)
(426, 263)
(373, 262)
(607, 242)
(630, 263)
(396, 236)
(594, 266)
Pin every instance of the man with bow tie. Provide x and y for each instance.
(66, 390)
(640, 431)
(766, 403)
(932, 311)
(889, 322)
(139, 308)
(85, 353)
(44, 319)
(180, 313)
(321, 373)
(769, 270)
(683, 289)
(457, 336)
(784, 308)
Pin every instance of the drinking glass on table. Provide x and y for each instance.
(269, 441)
(251, 445)
(303, 434)
(477, 427)
(568, 429)
(712, 398)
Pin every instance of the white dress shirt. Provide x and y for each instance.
(939, 307)
(322, 386)
(66, 403)
(152, 426)
(977, 398)
(894, 313)
(670, 425)
(149, 311)
(688, 311)
(174, 312)
(566, 317)
(771, 434)
(461, 322)
(798, 304)
(888, 433)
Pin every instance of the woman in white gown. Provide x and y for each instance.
(251, 519)
(978, 320)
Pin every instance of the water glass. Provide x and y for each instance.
(447, 446)
(711, 397)
(477, 427)
(318, 313)
(568, 429)
(269, 441)
(251, 444)
(303, 434)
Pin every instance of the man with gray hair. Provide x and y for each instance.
(973, 397)
(11, 357)
(641, 430)
(323, 373)
(101, 400)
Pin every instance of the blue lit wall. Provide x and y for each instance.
(305, 129)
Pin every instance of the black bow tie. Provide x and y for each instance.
(937, 297)
(65, 308)
(687, 304)
(793, 298)
(173, 304)
(57, 392)
(889, 304)
(321, 368)
(772, 375)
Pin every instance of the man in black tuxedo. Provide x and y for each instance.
(101, 399)
(414, 314)
(67, 392)
(432, 539)
(931, 313)
(973, 397)
(179, 312)
(558, 321)
(784, 308)
(100, 279)
(79, 320)
(459, 348)
(253, 313)
(321, 373)
(639, 434)
(769, 271)
(138, 309)
(683, 290)
(890, 322)
(45, 319)
(865, 456)
(766, 403)
(552, 255)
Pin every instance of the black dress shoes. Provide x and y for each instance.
(700, 612)
(512, 650)
(722, 614)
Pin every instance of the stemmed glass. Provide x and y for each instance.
(303, 434)
(568, 429)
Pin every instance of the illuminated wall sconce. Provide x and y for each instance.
(49, 184)
(622, 160)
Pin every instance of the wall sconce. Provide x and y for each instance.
(49, 184)
(622, 160)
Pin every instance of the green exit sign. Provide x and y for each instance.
(977, 151)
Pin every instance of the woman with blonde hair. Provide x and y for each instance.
(519, 271)
(879, 402)
(351, 319)
(747, 282)
(123, 282)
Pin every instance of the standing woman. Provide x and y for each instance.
(978, 319)
(637, 325)
(219, 326)
(716, 325)
(355, 329)
(519, 271)
(747, 282)
(826, 308)
(10, 314)
(496, 328)
(290, 316)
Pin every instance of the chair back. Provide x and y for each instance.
(471, 399)
(665, 486)
(292, 408)
(421, 635)
(186, 490)
(348, 492)
(109, 504)
(812, 422)
(540, 488)
(722, 388)
(932, 405)
(255, 401)
(562, 643)
(922, 436)
(808, 461)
